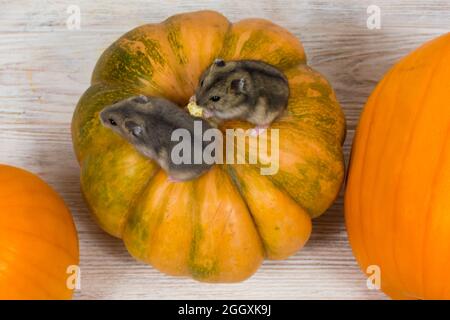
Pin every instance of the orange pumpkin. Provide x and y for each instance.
(217, 228)
(38, 240)
(397, 202)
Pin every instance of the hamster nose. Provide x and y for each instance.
(193, 99)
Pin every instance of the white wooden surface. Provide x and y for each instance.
(44, 68)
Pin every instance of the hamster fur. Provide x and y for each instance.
(248, 90)
(147, 123)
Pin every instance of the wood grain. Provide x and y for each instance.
(44, 68)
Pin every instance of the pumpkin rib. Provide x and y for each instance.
(209, 28)
(271, 252)
(305, 83)
(123, 48)
(199, 272)
(138, 196)
(372, 100)
(235, 180)
(388, 125)
(366, 113)
(395, 257)
(143, 232)
(431, 202)
(48, 210)
(316, 143)
(245, 29)
(166, 60)
(40, 239)
(29, 263)
(98, 165)
(31, 277)
(427, 213)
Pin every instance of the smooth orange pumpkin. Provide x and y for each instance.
(38, 240)
(219, 227)
(397, 202)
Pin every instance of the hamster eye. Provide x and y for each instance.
(215, 98)
(113, 123)
(201, 83)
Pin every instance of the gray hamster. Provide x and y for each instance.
(248, 90)
(148, 124)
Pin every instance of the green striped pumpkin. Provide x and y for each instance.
(219, 227)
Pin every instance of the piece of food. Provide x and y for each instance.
(219, 227)
(38, 240)
(397, 202)
(194, 109)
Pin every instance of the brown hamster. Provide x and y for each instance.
(148, 124)
(248, 90)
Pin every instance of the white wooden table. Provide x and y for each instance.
(44, 68)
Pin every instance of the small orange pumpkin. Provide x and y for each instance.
(38, 240)
(220, 227)
(397, 202)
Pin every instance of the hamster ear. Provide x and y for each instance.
(141, 99)
(219, 62)
(238, 85)
(134, 128)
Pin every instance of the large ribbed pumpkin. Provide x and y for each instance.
(221, 226)
(397, 200)
(38, 240)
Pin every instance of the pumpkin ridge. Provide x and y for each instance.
(197, 271)
(334, 158)
(388, 124)
(302, 79)
(162, 210)
(378, 163)
(91, 166)
(146, 230)
(28, 263)
(431, 190)
(39, 238)
(24, 266)
(431, 202)
(275, 247)
(364, 151)
(23, 273)
(397, 201)
(230, 43)
(135, 201)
